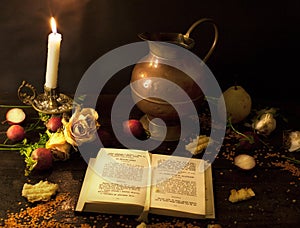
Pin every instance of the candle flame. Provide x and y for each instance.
(53, 25)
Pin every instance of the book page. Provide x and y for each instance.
(178, 185)
(209, 194)
(85, 186)
(120, 176)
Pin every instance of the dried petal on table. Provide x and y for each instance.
(198, 144)
(41, 191)
(292, 141)
(241, 194)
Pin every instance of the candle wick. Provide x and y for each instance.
(54, 30)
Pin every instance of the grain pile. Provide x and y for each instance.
(41, 215)
(266, 155)
(286, 165)
(175, 223)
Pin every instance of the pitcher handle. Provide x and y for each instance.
(215, 38)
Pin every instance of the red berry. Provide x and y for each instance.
(134, 127)
(54, 123)
(43, 157)
(15, 133)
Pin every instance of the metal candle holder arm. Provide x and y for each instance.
(49, 102)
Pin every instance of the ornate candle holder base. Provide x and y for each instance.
(49, 102)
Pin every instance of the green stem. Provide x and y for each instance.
(33, 127)
(5, 141)
(239, 133)
(15, 106)
(212, 99)
(262, 141)
(10, 148)
(292, 160)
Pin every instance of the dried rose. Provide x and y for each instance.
(291, 140)
(266, 124)
(82, 126)
(58, 145)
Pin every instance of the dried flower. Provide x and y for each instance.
(82, 126)
(59, 146)
(266, 124)
(292, 140)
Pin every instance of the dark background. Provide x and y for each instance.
(258, 45)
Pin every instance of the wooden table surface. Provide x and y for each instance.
(277, 189)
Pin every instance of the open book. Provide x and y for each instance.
(132, 182)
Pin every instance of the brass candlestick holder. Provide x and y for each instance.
(49, 102)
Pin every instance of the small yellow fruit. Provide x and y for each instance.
(238, 103)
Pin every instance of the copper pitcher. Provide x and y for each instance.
(161, 74)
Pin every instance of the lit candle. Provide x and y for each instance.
(54, 40)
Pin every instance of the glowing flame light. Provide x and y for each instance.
(53, 25)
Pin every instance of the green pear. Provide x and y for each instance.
(238, 103)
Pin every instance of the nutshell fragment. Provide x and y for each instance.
(41, 191)
(244, 161)
(198, 144)
(241, 194)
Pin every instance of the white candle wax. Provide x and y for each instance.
(54, 40)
